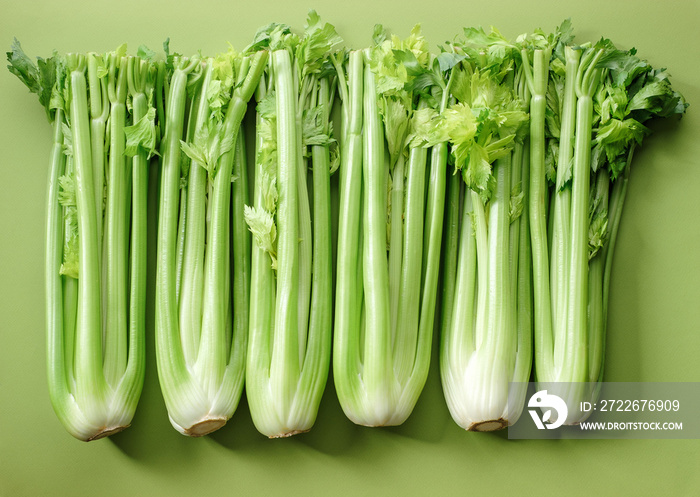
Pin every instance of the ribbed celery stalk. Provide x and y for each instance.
(116, 216)
(561, 195)
(380, 388)
(141, 80)
(172, 368)
(99, 112)
(349, 304)
(542, 305)
(203, 273)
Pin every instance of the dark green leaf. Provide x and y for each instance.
(40, 78)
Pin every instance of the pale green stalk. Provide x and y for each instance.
(348, 321)
(459, 286)
(409, 291)
(378, 376)
(523, 301)
(116, 230)
(485, 346)
(60, 297)
(131, 384)
(285, 365)
(315, 367)
(234, 375)
(99, 112)
(182, 397)
(396, 246)
(304, 222)
(190, 297)
(544, 340)
(196, 118)
(563, 366)
(575, 364)
(385, 295)
(617, 200)
(598, 326)
(561, 198)
(500, 339)
(90, 386)
(262, 315)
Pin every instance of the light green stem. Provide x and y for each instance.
(172, 369)
(237, 343)
(304, 226)
(480, 227)
(349, 301)
(315, 367)
(378, 374)
(192, 279)
(132, 382)
(59, 351)
(285, 367)
(262, 307)
(561, 215)
(219, 376)
(99, 112)
(459, 342)
(116, 238)
(90, 381)
(500, 338)
(396, 247)
(431, 262)
(409, 291)
(575, 363)
(538, 219)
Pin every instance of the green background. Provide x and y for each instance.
(655, 296)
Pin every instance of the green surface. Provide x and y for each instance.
(652, 329)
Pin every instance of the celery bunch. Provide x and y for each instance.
(203, 262)
(101, 107)
(588, 109)
(391, 209)
(513, 155)
(290, 320)
(486, 326)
